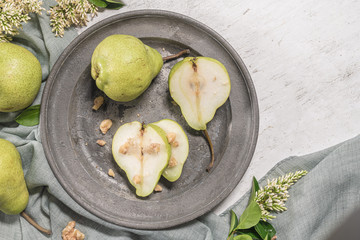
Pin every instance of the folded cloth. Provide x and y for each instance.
(318, 202)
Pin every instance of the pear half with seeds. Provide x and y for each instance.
(179, 148)
(143, 152)
(199, 85)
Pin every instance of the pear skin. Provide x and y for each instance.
(20, 77)
(123, 67)
(14, 195)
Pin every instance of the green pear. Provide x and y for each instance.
(123, 67)
(179, 148)
(14, 195)
(20, 77)
(199, 85)
(143, 152)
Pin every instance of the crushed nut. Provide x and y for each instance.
(137, 179)
(98, 101)
(124, 148)
(172, 162)
(70, 233)
(105, 125)
(158, 188)
(171, 137)
(153, 148)
(175, 144)
(101, 142)
(111, 173)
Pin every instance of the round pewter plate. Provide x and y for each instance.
(70, 128)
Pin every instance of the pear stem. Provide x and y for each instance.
(171, 57)
(32, 222)
(211, 150)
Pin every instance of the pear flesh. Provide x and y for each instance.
(199, 85)
(179, 148)
(123, 67)
(14, 195)
(20, 77)
(143, 152)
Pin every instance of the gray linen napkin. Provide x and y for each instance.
(318, 202)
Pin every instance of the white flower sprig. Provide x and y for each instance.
(13, 13)
(274, 195)
(70, 12)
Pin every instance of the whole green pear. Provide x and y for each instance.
(20, 77)
(123, 67)
(14, 195)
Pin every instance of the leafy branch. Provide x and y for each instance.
(252, 223)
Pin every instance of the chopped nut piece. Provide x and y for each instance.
(171, 137)
(175, 144)
(70, 233)
(124, 148)
(138, 114)
(137, 179)
(172, 162)
(158, 188)
(153, 148)
(111, 173)
(101, 142)
(105, 125)
(98, 101)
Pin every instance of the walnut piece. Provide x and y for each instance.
(111, 173)
(172, 162)
(153, 148)
(70, 233)
(101, 142)
(124, 148)
(105, 125)
(137, 179)
(98, 101)
(158, 188)
(171, 137)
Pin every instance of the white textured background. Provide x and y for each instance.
(304, 59)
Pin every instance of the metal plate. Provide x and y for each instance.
(70, 128)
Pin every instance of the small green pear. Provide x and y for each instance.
(20, 77)
(143, 152)
(14, 195)
(199, 85)
(123, 67)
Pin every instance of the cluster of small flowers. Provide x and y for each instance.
(274, 195)
(13, 13)
(70, 12)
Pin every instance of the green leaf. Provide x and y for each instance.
(233, 221)
(115, 1)
(250, 217)
(99, 3)
(265, 229)
(255, 188)
(251, 232)
(29, 117)
(114, 6)
(242, 237)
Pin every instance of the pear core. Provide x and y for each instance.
(123, 67)
(20, 77)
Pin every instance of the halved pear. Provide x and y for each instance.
(199, 85)
(179, 148)
(143, 152)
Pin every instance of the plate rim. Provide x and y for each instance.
(143, 13)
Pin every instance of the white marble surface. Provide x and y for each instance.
(304, 59)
